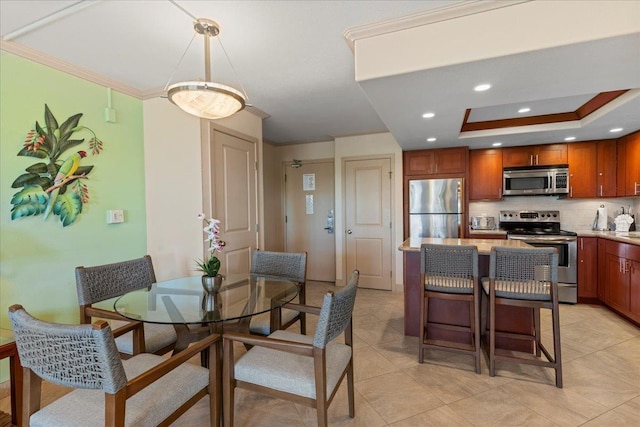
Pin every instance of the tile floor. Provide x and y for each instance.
(601, 354)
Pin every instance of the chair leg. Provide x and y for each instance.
(492, 331)
(557, 351)
(537, 332)
(476, 328)
(424, 307)
(351, 390)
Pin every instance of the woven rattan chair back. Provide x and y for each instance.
(291, 266)
(336, 311)
(451, 268)
(525, 273)
(102, 282)
(77, 356)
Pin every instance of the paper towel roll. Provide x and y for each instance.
(603, 218)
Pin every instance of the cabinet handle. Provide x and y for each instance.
(500, 192)
(581, 244)
(636, 187)
(537, 162)
(571, 192)
(601, 192)
(620, 267)
(531, 160)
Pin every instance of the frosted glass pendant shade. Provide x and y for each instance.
(206, 99)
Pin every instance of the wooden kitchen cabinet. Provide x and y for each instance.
(582, 158)
(629, 165)
(485, 174)
(587, 269)
(535, 155)
(436, 162)
(621, 278)
(606, 179)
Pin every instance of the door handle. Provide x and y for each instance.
(349, 231)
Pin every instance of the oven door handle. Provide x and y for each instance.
(542, 239)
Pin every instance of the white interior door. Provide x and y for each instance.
(368, 221)
(233, 166)
(309, 202)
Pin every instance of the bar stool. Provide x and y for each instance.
(450, 272)
(524, 277)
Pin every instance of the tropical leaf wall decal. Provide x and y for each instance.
(54, 186)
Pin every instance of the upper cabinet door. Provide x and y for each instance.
(552, 154)
(534, 155)
(629, 165)
(582, 169)
(606, 179)
(485, 174)
(436, 162)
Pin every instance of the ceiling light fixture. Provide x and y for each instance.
(428, 115)
(431, 139)
(207, 99)
(482, 87)
(497, 144)
(614, 130)
(570, 138)
(524, 110)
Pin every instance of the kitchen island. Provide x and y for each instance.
(508, 319)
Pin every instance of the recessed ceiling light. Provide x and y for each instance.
(570, 138)
(428, 115)
(497, 144)
(524, 110)
(482, 87)
(614, 130)
(431, 139)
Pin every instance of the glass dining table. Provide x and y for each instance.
(185, 304)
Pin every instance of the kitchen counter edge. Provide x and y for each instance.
(632, 237)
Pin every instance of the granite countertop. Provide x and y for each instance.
(484, 245)
(632, 237)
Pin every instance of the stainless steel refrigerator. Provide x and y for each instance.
(435, 207)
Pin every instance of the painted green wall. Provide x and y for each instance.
(37, 258)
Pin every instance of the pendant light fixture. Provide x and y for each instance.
(207, 99)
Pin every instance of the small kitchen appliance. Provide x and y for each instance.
(542, 229)
(483, 222)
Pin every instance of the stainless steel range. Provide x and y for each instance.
(542, 229)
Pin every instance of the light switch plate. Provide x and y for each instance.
(115, 216)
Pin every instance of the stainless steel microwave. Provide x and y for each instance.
(539, 180)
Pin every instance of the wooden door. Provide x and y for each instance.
(632, 164)
(517, 156)
(616, 282)
(551, 154)
(582, 170)
(309, 201)
(234, 199)
(367, 202)
(606, 179)
(451, 160)
(588, 267)
(485, 174)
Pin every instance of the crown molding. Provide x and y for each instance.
(439, 14)
(57, 64)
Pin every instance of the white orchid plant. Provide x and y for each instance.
(211, 266)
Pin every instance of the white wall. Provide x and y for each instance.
(173, 180)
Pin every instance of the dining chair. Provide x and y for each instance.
(524, 277)
(304, 369)
(285, 265)
(450, 272)
(145, 390)
(98, 283)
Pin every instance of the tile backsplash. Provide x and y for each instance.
(575, 214)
